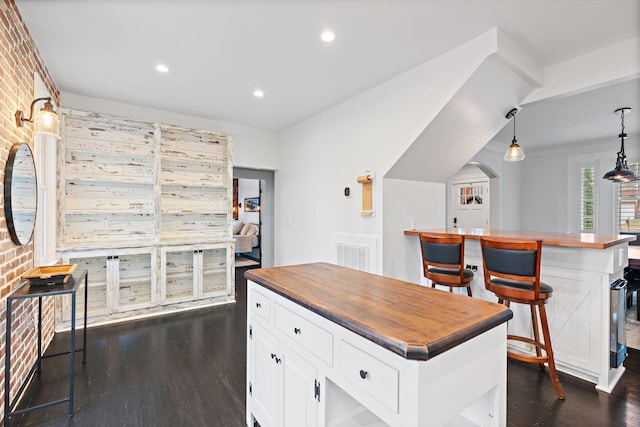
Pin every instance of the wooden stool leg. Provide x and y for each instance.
(469, 291)
(547, 345)
(536, 333)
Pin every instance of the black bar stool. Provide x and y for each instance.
(512, 273)
(443, 261)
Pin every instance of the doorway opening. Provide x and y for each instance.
(471, 192)
(253, 213)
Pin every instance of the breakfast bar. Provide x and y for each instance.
(580, 267)
(329, 345)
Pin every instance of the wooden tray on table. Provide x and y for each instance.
(50, 275)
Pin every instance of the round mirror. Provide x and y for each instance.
(20, 193)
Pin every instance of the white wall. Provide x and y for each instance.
(252, 148)
(324, 154)
(541, 193)
(505, 206)
(409, 204)
(551, 177)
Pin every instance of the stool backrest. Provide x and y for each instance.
(443, 252)
(517, 260)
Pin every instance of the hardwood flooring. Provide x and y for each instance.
(188, 369)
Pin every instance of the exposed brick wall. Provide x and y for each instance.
(19, 62)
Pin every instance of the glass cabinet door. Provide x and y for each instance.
(215, 280)
(178, 278)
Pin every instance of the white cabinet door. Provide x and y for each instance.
(300, 407)
(282, 384)
(265, 381)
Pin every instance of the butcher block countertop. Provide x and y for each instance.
(410, 320)
(571, 240)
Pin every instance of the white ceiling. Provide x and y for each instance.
(220, 51)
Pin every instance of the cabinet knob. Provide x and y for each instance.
(258, 305)
(297, 330)
(363, 374)
(278, 360)
(273, 356)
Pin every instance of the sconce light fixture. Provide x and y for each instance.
(45, 121)
(621, 173)
(514, 152)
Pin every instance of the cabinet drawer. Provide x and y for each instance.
(261, 305)
(373, 376)
(310, 336)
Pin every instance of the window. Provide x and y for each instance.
(629, 203)
(588, 203)
(470, 195)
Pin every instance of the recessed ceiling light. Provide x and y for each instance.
(328, 36)
(258, 93)
(162, 68)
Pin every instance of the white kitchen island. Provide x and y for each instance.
(332, 346)
(580, 267)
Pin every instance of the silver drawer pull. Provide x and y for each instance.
(363, 374)
(297, 330)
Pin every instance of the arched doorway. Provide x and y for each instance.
(470, 195)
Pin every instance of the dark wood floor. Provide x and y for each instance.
(188, 369)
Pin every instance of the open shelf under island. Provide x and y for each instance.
(580, 267)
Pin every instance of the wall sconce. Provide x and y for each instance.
(621, 173)
(45, 121)
(514, 152)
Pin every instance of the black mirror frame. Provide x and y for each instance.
(8, 205)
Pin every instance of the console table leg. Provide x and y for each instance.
(7, 367)
(72, 353)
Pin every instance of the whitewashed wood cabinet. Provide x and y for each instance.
(195, 272)
(122, 280)
(129, 187)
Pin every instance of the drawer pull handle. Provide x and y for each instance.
(363, 374)
(278, 360)
(258, 305)
(297, 330)
(273, 356)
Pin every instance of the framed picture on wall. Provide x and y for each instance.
(252, 204)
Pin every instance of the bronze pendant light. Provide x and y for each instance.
(621, 173)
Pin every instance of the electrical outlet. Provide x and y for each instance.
(468, 267)
(474, 268)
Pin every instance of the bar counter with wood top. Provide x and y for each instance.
(329, 345)
(580, 267)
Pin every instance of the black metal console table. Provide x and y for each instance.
(26, 291)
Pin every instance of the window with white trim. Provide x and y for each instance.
(629, 202)
(588, 200)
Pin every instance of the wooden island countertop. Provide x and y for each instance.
(571, 240)
(410, 320)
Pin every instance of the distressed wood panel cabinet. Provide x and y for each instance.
(195, 272)
(139, 199)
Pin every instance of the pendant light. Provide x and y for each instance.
(514, 152)
(621, 173)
